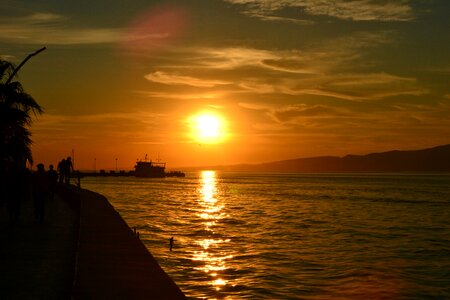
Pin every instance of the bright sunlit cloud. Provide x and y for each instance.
(174, 79)
(362, 10)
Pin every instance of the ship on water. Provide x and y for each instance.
(150, 169)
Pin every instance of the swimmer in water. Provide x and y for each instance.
(171, 243)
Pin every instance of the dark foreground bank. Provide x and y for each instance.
(83, 250)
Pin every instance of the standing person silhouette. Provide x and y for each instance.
(40, 192)
(52, 179)
(14, 192)
(67, 168)
(61, 169)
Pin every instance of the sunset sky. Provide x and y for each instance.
(284, 79)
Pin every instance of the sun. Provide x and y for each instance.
(208, 128)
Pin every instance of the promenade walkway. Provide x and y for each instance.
(85, 254)
(37, 260)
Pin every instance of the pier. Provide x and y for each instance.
(122, 173)
(83, 250)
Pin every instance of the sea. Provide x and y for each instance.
(293, 236)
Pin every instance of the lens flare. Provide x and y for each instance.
(155, 29)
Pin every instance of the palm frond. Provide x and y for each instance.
(15, 119)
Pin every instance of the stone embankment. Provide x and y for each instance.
(83, 250)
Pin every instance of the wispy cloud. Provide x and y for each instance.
(107, 131)
(47, 28)
(254, 106)
(356, 10)
(41, 18)
(230, 57)
(294, 112)
(343, 125)
(181, 96)
(357, 87)
(175, 79)
(311, 59)
(319, 69)
(6, 57)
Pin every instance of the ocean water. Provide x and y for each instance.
(293, 236)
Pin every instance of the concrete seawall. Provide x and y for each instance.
(111, 262)
(82, 250)
(37, 259)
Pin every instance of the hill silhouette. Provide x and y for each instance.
(436, 159)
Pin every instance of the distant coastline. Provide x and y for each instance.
(436, 159)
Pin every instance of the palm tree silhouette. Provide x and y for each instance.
(16, 107)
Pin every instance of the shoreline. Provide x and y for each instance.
(111, 262)
(83, 250)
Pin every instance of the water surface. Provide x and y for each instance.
(293, 236)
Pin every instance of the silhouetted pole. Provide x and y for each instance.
(95, 165)
(73, 159)
(116, 164)
(22, 63)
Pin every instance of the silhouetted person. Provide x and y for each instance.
(14, 193)
(52, 179)
(171, 243)
(60, 169)
(67, 168)
(40, 192)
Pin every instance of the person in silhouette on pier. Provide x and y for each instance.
(67, 168)
(16, 189)
(14, 193)
(171, 240)
(61, 169)
(52, 179)
(40, 192)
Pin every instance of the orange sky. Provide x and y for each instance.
(290, 78)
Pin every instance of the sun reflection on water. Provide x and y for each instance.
(211, 212)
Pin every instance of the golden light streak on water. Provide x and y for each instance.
(208, 186)
(210, 214)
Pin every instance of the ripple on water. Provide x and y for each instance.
(291, 236)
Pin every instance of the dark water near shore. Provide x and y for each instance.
(285, 236)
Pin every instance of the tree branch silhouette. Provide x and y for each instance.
(22, 63)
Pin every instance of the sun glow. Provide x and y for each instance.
(208, 128)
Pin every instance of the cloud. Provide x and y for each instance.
(327, 69)
(254, 106)
(129, 126)
(337, 68)
(259, 88)
(50, 29)
(282, 19)
(174, 79)
(181, 96)
(313, 58)
(353, 87)
(230, 58)
(318, 70)
(355, 10)
(293, 112)
(362, 86)
(41, 18)
(7, 57)
(367, 124)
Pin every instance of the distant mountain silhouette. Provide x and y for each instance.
(435, 159)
